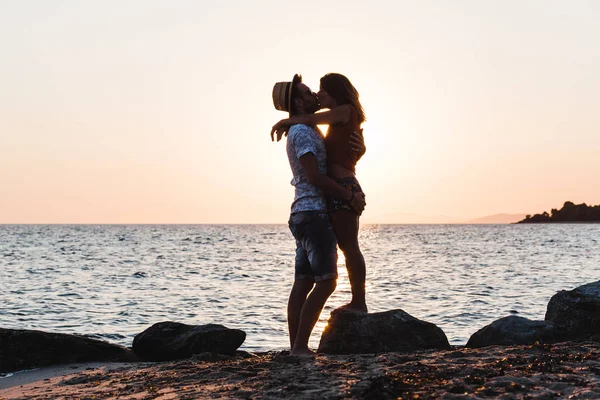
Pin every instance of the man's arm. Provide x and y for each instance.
(329, 186)
(357, 141)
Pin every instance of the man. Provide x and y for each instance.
(316, 253)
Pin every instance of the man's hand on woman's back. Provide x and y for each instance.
(357, 141)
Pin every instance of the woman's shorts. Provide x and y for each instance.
(350, 183)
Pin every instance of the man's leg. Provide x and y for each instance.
(311, 310)
(303, 279)
(321, 248)
(300, 290)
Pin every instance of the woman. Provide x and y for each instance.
(345, 116)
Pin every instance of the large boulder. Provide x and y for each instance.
(25, 349)
(391, 331)
(513, 330)
(166, 341)
(576, 313)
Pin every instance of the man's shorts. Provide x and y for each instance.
(316, 246)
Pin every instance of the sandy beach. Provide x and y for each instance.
(563, 370)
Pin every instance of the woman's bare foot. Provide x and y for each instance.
(361, 308)
(302, 352)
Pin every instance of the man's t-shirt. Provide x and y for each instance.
(301, 140)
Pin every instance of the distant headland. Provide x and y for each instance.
(570, 212)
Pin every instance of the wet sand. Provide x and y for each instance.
(564, 370)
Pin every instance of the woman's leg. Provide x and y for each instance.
(346, 224)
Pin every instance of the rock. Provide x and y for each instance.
(166, 341)
(513, 330)
(360, 333)
(25, 349)
(576, 313)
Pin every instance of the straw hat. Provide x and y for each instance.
(282, 96)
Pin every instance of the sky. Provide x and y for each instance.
(146, 111)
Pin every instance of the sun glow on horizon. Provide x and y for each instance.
(153, 114)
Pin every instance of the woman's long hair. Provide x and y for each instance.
(343, 92)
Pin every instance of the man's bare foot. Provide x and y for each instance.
(303, 352)
(362, 308)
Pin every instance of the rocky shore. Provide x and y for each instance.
(561, 370)
(381, 355)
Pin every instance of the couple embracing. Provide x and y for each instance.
(328, 199)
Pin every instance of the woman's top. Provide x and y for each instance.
(337, 142)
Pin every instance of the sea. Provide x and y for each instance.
(114, 281)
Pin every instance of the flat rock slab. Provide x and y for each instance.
(576, 313)
(166, 341)
(391, 331)
(513, 330)
(25, 349)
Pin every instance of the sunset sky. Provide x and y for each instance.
(160, 111)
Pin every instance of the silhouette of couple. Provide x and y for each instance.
(328, 199)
